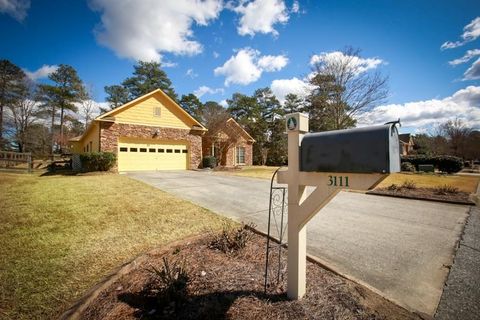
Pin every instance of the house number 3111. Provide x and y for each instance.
(334, 181)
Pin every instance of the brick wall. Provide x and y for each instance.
(110, 132)
(229, 157)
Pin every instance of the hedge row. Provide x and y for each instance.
(209, 162)
(449, 164)
(97, 161)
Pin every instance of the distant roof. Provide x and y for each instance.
(404, 137)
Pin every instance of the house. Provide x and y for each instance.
(229, 143)
(406, 144)
(151, 132)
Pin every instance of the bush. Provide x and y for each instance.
(97, 161)
(445, 189)
(231, 239)
(393, 187)
(409, 184)
(172, 279)
(407, 166)
(449, 164)
(209, 162)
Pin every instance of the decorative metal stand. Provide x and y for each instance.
(275, 266)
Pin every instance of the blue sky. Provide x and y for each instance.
(265, 41)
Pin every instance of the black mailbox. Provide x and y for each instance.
(361, 150)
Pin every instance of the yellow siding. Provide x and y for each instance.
(91, 139)
(143, 113)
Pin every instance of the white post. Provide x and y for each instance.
(297, 125)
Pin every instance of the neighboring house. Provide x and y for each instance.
(406, 144)
(151, 132)
(230, 144)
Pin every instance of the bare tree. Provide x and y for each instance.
(343, 87)
(457, 134)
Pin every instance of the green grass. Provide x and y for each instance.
(60, 235)
(424, 180)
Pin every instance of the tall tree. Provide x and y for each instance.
(457, 135)
(147, 77)
(117, 95)
(11, 87)
(293, 103)
(62, 96)
(23, 114)
(192, 105)
(343, 88)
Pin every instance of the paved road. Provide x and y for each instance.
(401, 248)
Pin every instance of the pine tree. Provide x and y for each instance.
(117, 96)
(192, 105)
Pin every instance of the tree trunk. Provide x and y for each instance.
(1, 126)
(53, 136)
(61, 128)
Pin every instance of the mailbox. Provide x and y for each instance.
(361, 150)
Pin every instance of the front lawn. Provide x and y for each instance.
(262, 172)
(429, 180)
(60, 235)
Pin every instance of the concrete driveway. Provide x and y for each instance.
(400, 248)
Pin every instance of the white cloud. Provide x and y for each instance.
(358, 64)
(473, 73)
(42, 72)
(295, 7)
(282, 87)
(259, 16)
(247, 66)
(223, 103)
(463, 104)
(272, 63)
(190, 73)
(201, 91)
(470, 54)
(15, 8)
(142, 30)
(216, 54)
(470, 32)
(169, 64)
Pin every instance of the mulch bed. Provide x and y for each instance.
(230, 286)
(425, 194)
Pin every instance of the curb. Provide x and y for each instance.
(466, 203)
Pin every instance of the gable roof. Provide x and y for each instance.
(405, 138)
(105, 116)
(243, 131)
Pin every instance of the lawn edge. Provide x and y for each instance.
(75, 311)
(377, 193)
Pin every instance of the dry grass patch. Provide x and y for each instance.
(59, 235)
(462, 183)
(261, 172)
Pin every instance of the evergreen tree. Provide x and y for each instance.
(12, 85)
(192, 105)
(293, 103)
(117, 96)
(148, 76)
(61, 96)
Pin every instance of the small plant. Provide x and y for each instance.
(209, 162)
(231, 239)
(97, 161)
(446, 189)
(408, 166)
(393, 187)
(173, 279)
(409, 184)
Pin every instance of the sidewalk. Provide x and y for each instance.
(461, 295)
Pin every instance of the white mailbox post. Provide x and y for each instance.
(302, 208)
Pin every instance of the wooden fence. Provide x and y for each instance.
(16, 161)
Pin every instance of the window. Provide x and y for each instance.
(177, 150)
(169, 150)
(123, 149)
(91, 149)
(184, 151)
(161, 150)
(157, 111)
(87, 147)
(143, 149)
(133, 149)
(151, 150)
(240, 155)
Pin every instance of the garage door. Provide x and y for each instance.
(152, 156)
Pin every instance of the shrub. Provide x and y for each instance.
(407, 166)
(97, 161)
(445, 189)
(231, 239)
(209, 162)
(449, 164)
(409, 184)
(393, 187)
(172, 279)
